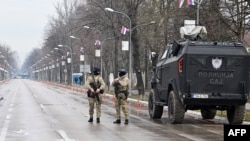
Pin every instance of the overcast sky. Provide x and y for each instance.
(23, 22)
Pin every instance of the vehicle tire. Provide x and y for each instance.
(176, 109)
(236, 114)
(155, 111)
(207, 113)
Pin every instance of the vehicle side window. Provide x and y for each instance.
(170, 51)
(164, 55)
(176, 49)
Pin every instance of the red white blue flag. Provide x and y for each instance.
(180, 3)
(97, 42)
(124, 30)
(81, 49)
(190, 2)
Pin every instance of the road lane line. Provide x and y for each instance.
(5, 127)
(64, 135)
(4, 130)
(42, 106)
(8, 117)
(10, 109)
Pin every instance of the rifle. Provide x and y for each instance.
(116, 89)
(95, 85)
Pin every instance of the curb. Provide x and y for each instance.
(137, 103)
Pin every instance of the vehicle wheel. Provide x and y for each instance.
(208, 113)
(236, 114)
(176, 109)
(155, 111)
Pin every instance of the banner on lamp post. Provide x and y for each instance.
(69, 60)
(125, 45)
(97, 53)
(63, 63)
(85, 68)
(81, 57)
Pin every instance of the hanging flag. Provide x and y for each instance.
(124, 30)
(97, 42)
(190, 2)
(67, 53)
(81, 49)
(180, 3)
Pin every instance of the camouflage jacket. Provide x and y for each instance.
(122, 83)
(95, 79)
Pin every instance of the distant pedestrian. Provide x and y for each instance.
(121, 94)
(75, 79)
(80, 79)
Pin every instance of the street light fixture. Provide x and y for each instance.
(70, 56)
(73, 37)
(92, 29)
(152, 22)
(63, 64)
(130, 46)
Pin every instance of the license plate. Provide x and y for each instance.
(199, 96)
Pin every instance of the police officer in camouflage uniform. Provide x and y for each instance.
(121, 93)
(95, 86)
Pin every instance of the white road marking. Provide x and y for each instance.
(64, 135)
(10, 109)
(8, 117)
(21, 132)
(42, 106)
(4, 130)
(5, 127)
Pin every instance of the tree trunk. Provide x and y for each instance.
(137, 64)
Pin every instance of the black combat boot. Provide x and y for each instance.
(97, 120)
(90, 120)
(118, 121)
(126, 121)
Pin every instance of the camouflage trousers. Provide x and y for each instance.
(93, 103)
(121, 103)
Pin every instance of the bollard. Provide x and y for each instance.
(138, 105)
(113, 99)
(104, 97)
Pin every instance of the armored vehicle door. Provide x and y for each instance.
(163, 73)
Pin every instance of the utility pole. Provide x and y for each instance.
(198, 11)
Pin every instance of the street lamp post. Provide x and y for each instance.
(71, 58)
(96, 30)
(84, 62)
(130, 46)
(102, 42)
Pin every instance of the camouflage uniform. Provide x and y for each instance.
(121, 92)
(93, 101)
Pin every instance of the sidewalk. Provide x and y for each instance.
(147, 93)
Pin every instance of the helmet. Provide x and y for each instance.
(122, 72)
(96, 71)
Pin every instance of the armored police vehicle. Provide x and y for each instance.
(200, 75)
